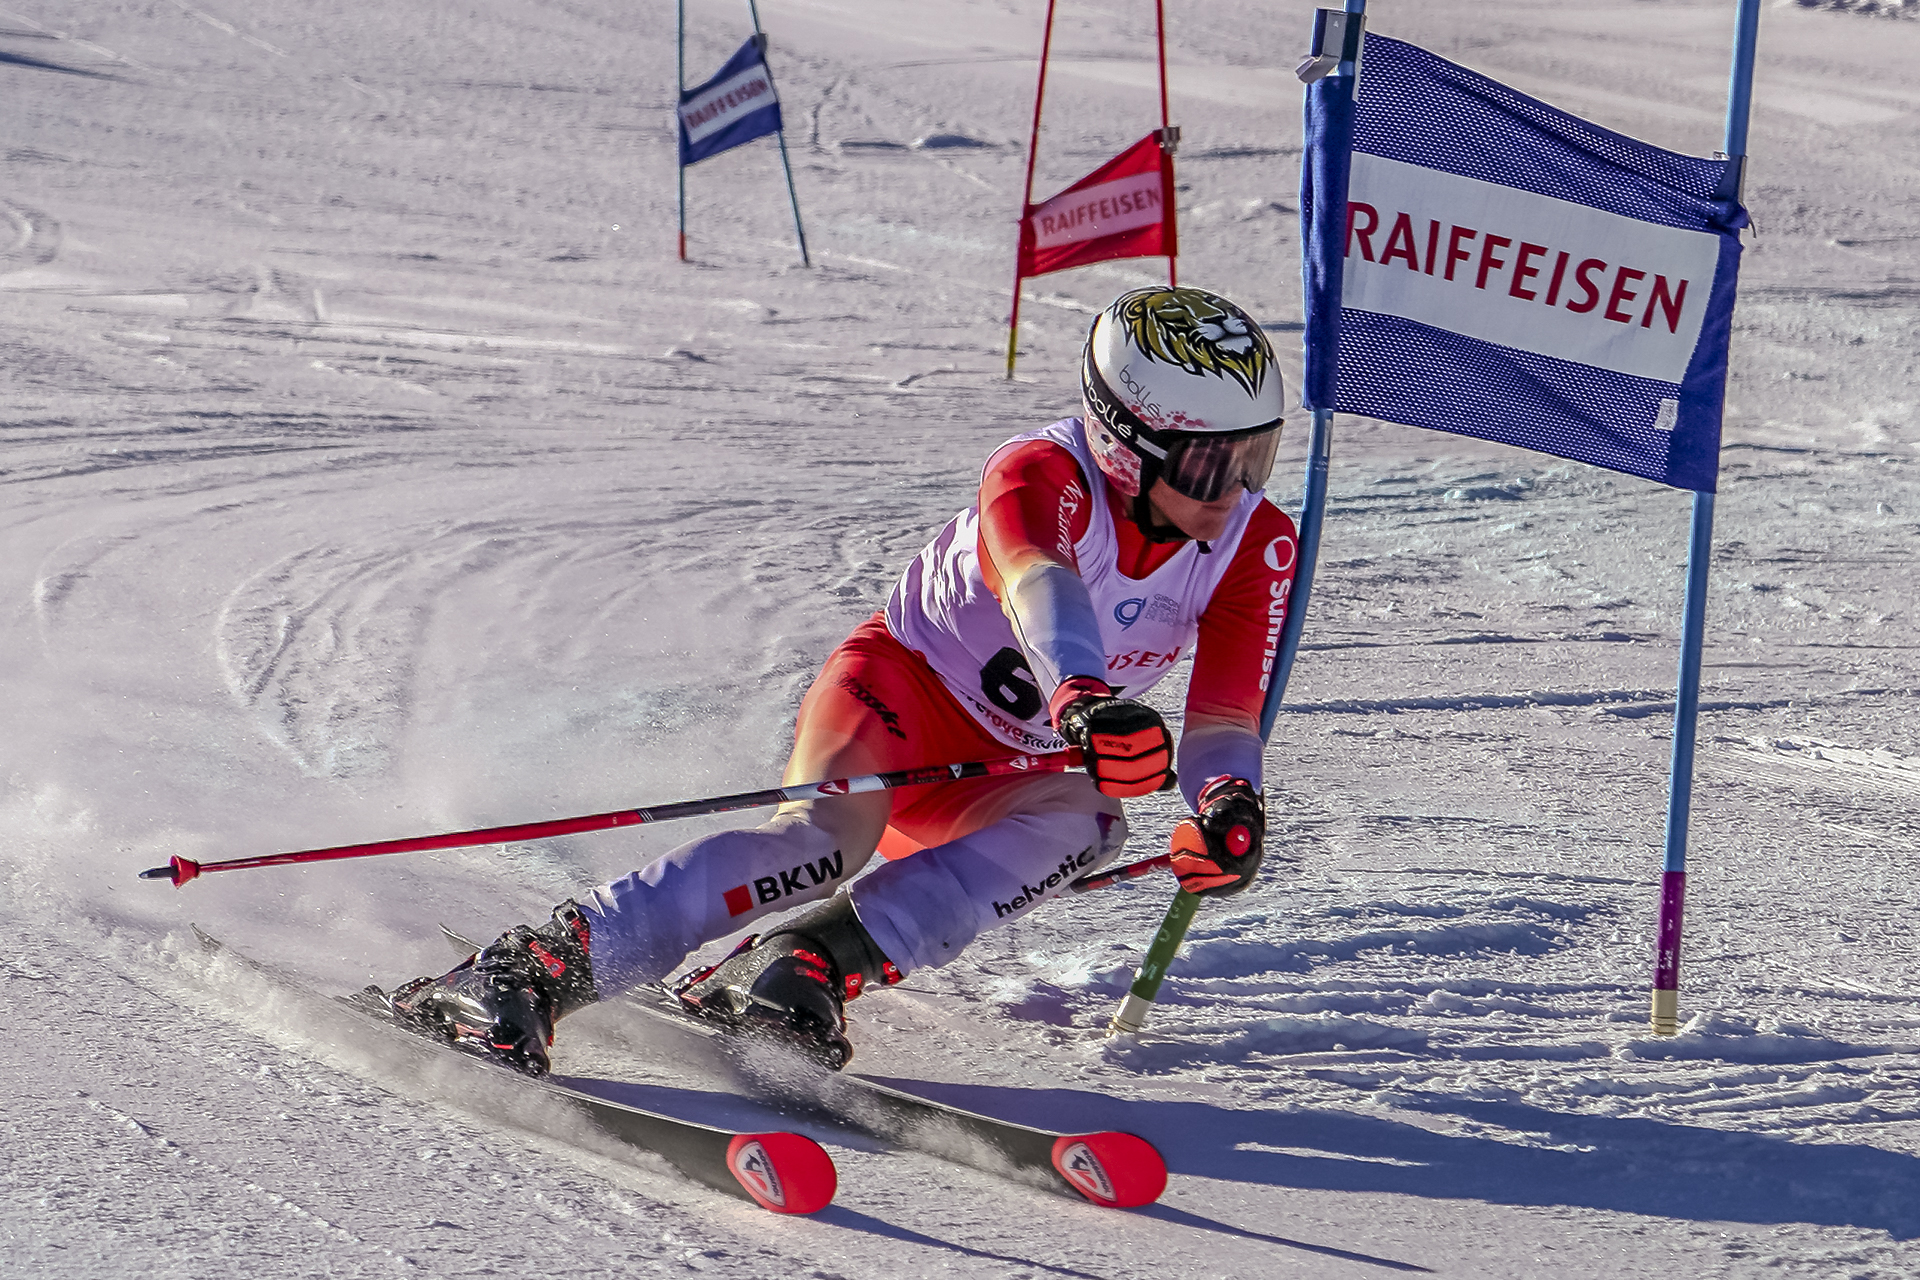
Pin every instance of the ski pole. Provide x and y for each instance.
(180, 870)
(1131, 1016)
(1132, 871)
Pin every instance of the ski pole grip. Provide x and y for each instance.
(178, 869)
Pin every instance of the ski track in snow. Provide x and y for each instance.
(368, 467)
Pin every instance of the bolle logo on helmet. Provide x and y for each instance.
(1281, 554)
(1197, 331)
(1143, 401)
(754, 1167)
(1127, 612)
(1078, 1165)
(1109, 425)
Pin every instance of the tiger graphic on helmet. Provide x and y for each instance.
(1198, 331)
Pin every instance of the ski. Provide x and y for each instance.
(779, 1171)
(1112, 1169)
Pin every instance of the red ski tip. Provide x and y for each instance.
(179, 870)
(1115, 1170)
(784, 1172)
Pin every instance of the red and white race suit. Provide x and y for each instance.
(1138, 627)
(1043, 579)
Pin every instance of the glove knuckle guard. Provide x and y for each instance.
(1128, 746)
(1218, 852)
(1128, 749)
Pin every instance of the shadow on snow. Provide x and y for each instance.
(1621, 1164)
(732, 1111)
(37, 64)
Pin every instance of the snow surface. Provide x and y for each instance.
(371, 467)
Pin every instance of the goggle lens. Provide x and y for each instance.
(1205, 467)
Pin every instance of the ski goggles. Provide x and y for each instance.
(1197, 465)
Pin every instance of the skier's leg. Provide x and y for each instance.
(922, 910)
(638, 928)
(644, 924)
(875, 706)
(1013, 846)
(792, 982)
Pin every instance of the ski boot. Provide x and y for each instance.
(792, 985)
(504, 1000)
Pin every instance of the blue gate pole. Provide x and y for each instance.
(680, 87)
(799, 232)
(1313, 510)
(1693, 625)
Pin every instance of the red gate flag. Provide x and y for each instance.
(1123, 209)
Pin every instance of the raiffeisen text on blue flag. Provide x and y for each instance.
(1516, 273)
(736, 106)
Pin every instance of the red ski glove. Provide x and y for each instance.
(1127, 749)
(1217, 852)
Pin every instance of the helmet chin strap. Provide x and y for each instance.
(1153, 532)
(1141, 511)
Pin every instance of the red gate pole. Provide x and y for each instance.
(1167, 142)
(1026, 200)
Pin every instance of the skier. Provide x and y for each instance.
(1101, 550)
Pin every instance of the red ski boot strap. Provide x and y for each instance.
(857, 982)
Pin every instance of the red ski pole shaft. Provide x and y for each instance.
(1132, 871)
(180, 870)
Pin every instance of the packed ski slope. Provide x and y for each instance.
(369, 466)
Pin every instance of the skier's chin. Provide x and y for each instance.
(1201, 521)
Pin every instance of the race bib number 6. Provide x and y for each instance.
(1008, 684)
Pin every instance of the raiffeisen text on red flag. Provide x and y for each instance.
(1123, 209)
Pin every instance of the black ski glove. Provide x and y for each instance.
(1216, 852)
(1125, 744)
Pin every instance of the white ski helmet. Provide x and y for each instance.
(1180, 385)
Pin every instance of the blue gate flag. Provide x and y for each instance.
(1515, 273)
(736, 106)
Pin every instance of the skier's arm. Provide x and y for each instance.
(1034, 506)
(1218, 850)
(1233, 659)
